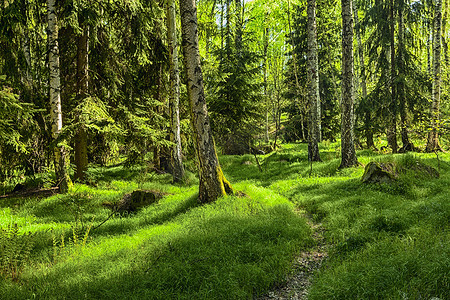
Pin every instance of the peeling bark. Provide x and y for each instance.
(62, 177)
(174, 98)
(212, 181)
(314, 127)
(348, 153)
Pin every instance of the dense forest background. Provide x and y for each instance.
(114, 115)
(115, 83)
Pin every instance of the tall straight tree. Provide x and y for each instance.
(314, 127)
(392, 127)
(362, 68)
(213, 183)
(174, 99)
(81, 158)
(62, 178)
(433, 135)
(348, 153)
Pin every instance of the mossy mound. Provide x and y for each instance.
(378, 172)
(135, 200)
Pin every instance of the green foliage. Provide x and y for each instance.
(15, 249)
(234, 97)
(388, 241)
(328, 23)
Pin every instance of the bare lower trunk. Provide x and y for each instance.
(367, 117)
(313, 85)
(174, 99)
(392, 123)
(266, 46)
(81, 158)
(433, 135)
(212, 180)
(62, 178)
(445, 34)
(406, 143)
(348, 153)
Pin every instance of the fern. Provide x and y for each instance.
(15, 249)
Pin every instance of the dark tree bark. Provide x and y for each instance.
(212, 180)
(348, 153)
(81, 159)
(314, 127)
(391, 134)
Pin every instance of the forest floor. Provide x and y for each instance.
(299, 233)
(304, 266)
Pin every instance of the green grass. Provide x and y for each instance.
(388, 241)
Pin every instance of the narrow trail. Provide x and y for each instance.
(303, 267)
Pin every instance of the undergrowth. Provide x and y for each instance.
(388, 241)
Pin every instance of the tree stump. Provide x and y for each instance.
(135, 200)
(376, 172)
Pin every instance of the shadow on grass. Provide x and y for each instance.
(203, 256)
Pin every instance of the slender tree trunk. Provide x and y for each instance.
(392, 118)
(362, 66)
(266, 97)
(348, 153)
(174, 99)
(313, 85)
(406, 144)
(81, 159)
(433, 135)
(212, 180)
(445, 34)
(62, 177)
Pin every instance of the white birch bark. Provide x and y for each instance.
(55, 97)
(212, 180)
(174, 99)
(313, 85)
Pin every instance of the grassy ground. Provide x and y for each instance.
(389, 241)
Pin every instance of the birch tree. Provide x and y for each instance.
(314, 127)
(212, 180)
(62, 178)
(433, 135)
(348, 153)
(174, 99)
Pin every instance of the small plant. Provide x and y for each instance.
(78, 240)
(15, 250)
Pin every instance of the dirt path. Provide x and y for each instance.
(304, 265)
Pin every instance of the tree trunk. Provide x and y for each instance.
(444, 33)
(314, 135)
(348, 153)
(62, 177)
(392, 116)
(174, 98)
(212, 180)
(433, 135)
(367, 117)
(266, 97)
(406, 144)
(81, 159)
